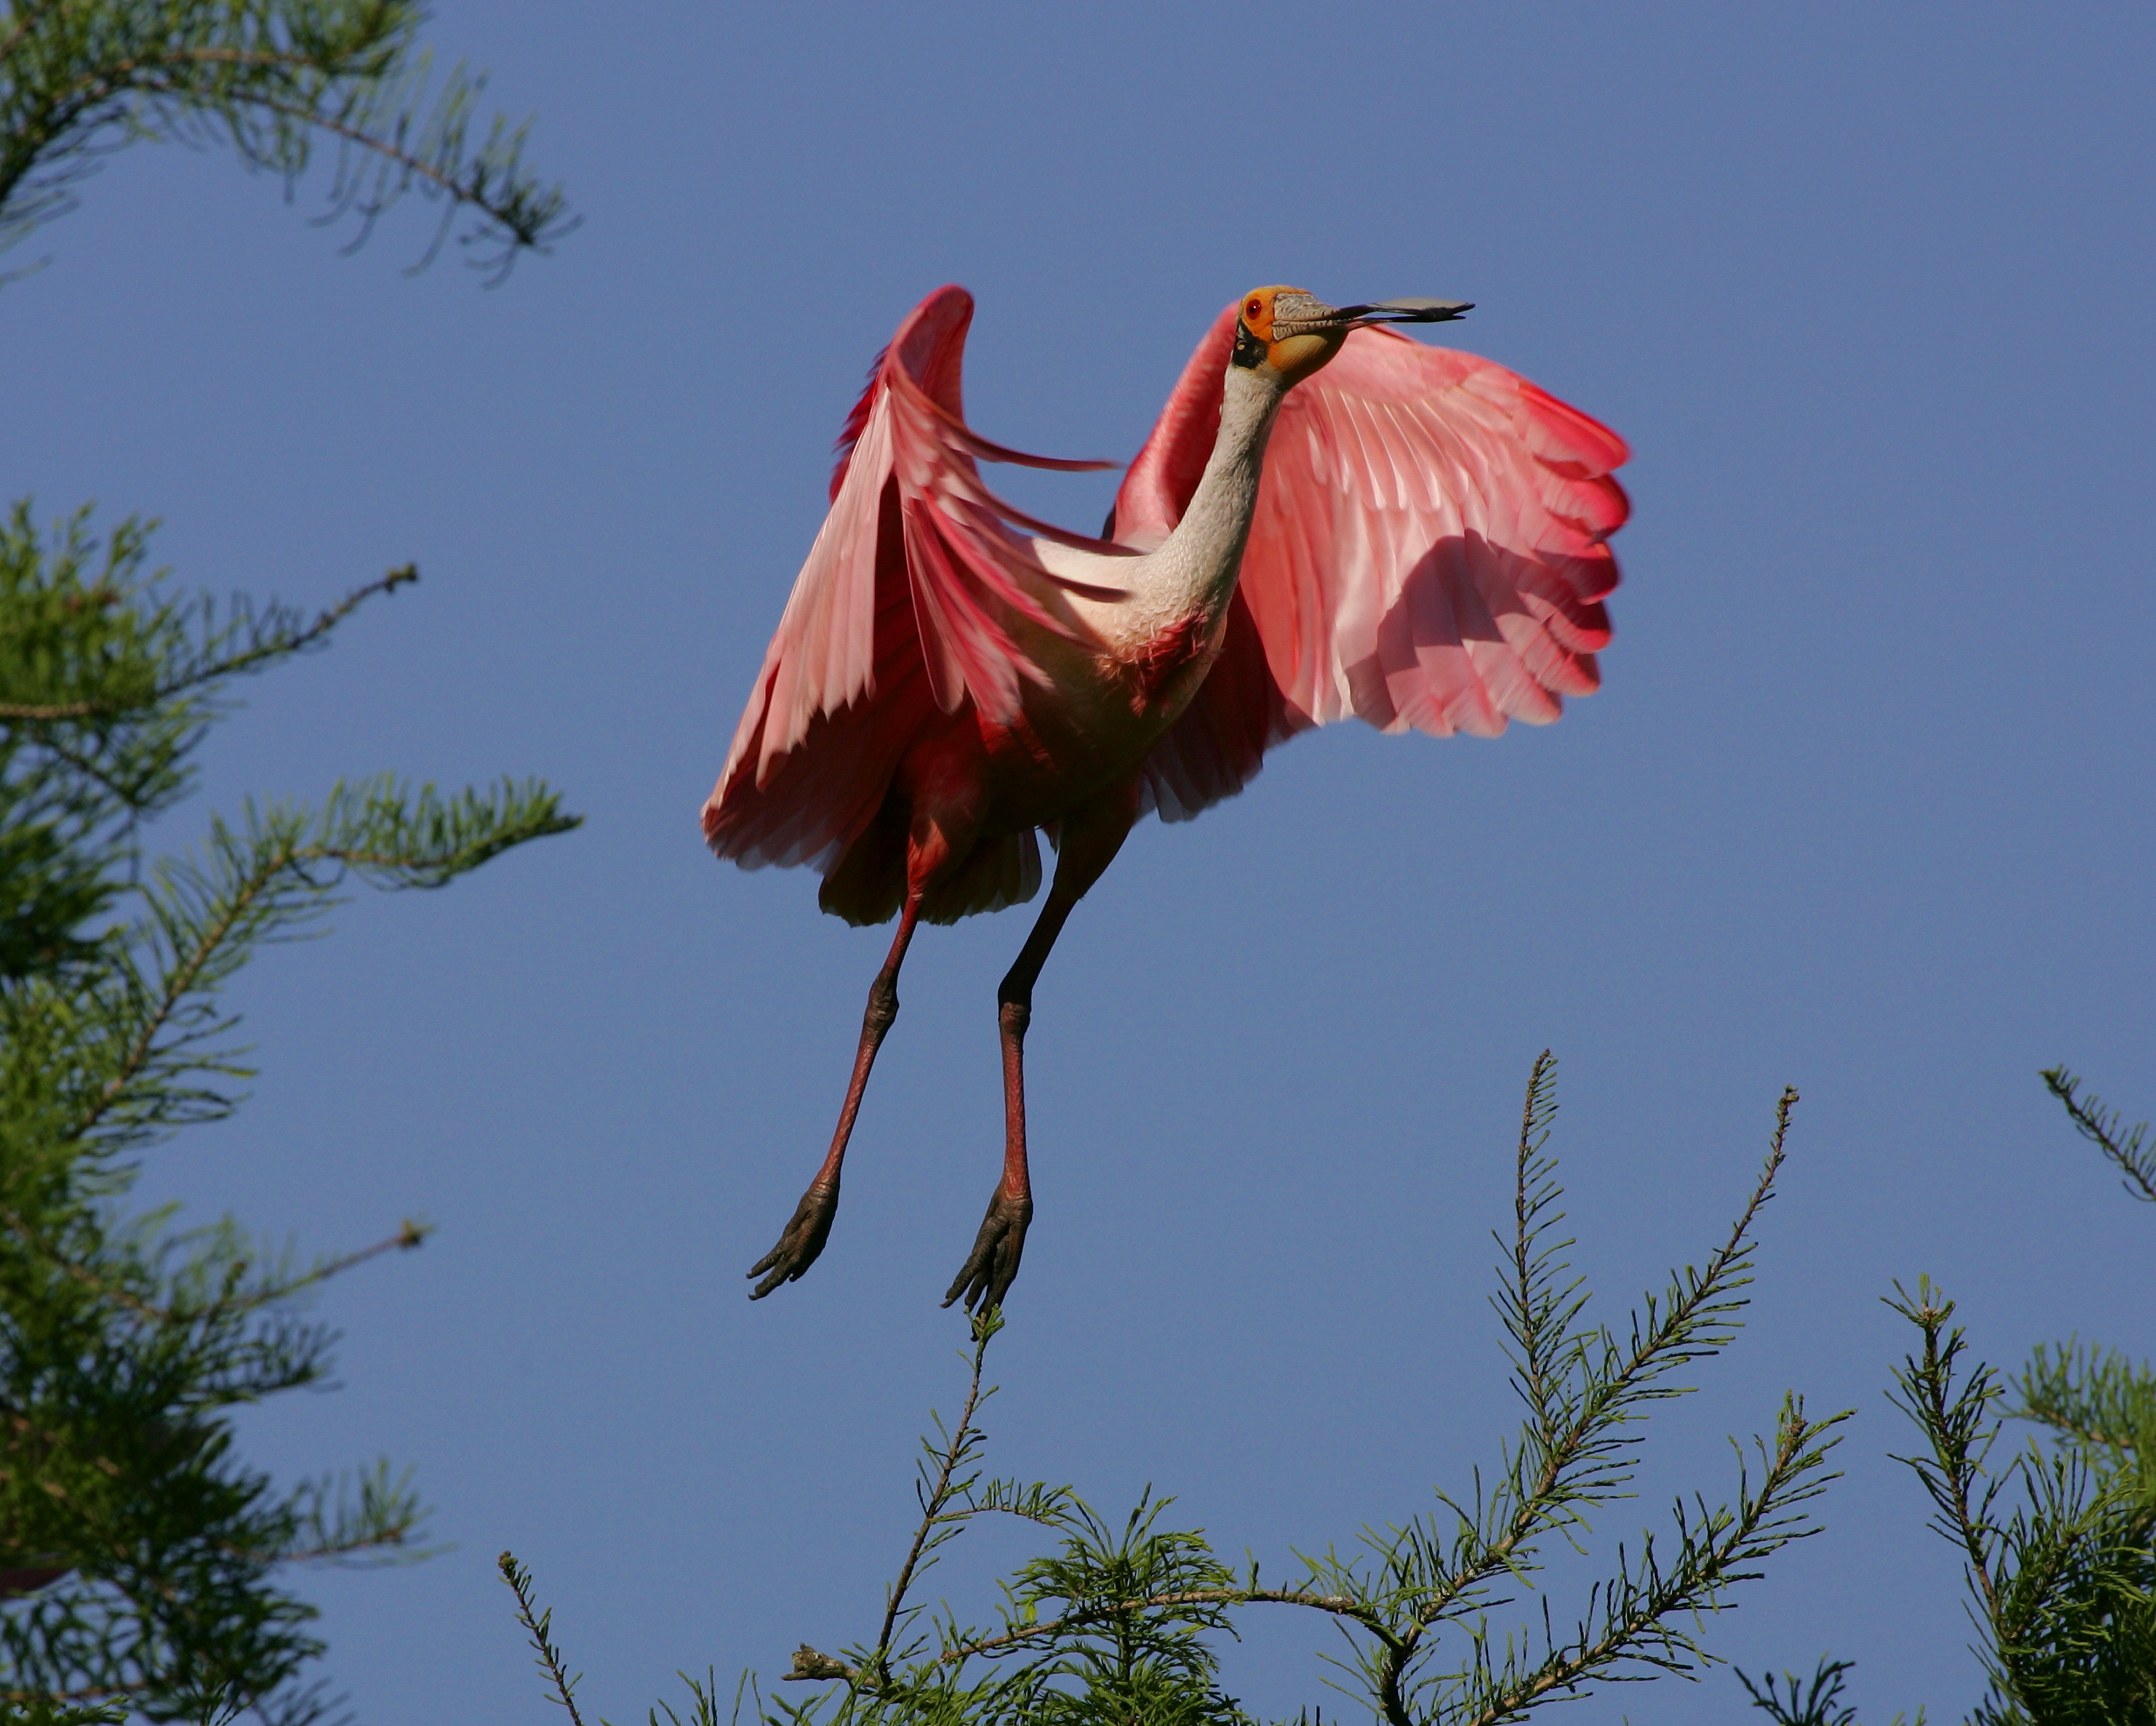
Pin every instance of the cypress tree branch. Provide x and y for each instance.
(1110, 1626)
(2058, 1549)
(538, 1626)
(2095, 1398)
(1955, 1422)
(1104, 1611)
(1581, 1392)
(963, 1442)
(281, 871)
(274, 638)
(2132, 1152)
(83, 78)
(137, 1557)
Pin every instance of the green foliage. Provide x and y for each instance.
(1111, 1625)
(2131, 1152)
(139, 1554)
(273, 79)
(2058, 1543)
(1817, 1704)
(538, 1626)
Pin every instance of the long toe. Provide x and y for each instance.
(783, 1267)
(990, 1269)
(800, 1243)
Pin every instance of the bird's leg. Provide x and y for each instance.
(1090, 838)
(804, 1237)
(988, 1269)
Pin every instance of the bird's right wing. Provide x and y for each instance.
(899, 610)
(1429, 551)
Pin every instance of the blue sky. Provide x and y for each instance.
(1864, 805)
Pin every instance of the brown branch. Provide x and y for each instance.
(1106, 1611)
(402, 158)
(932, 1506)
(539, 1627)
(79, 1273)
(24, 19)
(2060, 1422)
(94, 1692)
(137, 72)
(394, 1537)
(177, 985)
(1671, 1597)
(2074, 1429)
(32, 714)
(1561, 1448)
(408, 1235)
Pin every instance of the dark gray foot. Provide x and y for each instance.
(803, 1239)
(992, 1266)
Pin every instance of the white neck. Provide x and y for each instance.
(1194, 571)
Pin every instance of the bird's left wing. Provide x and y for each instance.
(1429, 550)
(903, 607)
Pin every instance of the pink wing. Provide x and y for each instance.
(1429, 550)
(897, 613)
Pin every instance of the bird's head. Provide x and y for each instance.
(1290, 333)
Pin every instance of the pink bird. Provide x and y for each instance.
(1329, 518)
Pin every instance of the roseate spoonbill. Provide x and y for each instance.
(1328, 519)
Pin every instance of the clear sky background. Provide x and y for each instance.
(1865, 804)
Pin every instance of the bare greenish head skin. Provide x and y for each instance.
(1290, 333)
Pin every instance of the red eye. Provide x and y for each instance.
(1252, 309)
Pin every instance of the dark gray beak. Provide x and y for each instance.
(1305, 314)
(1406, 312)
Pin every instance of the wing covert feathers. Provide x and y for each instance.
(1429, 551)
(898, 612)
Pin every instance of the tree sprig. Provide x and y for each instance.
(273, 80)
(1113, 1625)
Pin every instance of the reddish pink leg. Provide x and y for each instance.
(1090, 838)
(804, 1237)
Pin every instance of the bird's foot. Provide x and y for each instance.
(993, 1265)
(799, 1242)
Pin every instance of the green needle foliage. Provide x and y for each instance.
(140, 1557)
(275, 80)
(2058, 1539)
(1795, 1703)
(2056, 1543)
(1112, 1626)
(2131, 1152)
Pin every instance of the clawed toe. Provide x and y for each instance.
(799, 1243)
(992, 1266)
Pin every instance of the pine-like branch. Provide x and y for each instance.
(2132, 1152)
(250, 641)
(273, 879)
(538, 1626)
(940, 1483)
(268, 78)
(1582, 1391)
